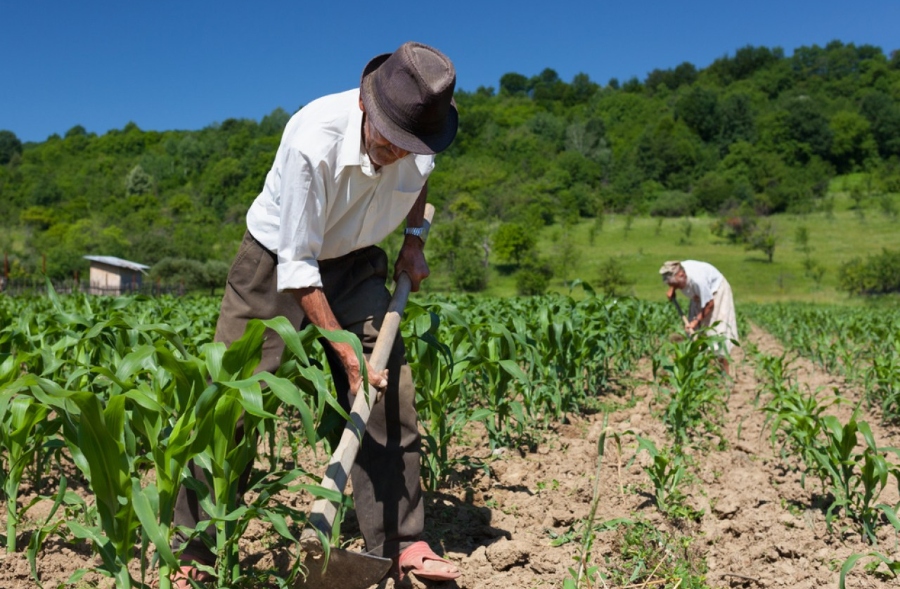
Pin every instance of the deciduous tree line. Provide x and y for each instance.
(754, 133)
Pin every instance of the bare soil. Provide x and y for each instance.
(759, 526)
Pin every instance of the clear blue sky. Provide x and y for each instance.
(191, 63)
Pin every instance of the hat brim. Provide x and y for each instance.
(422, 145)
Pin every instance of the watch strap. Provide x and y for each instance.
(420, 232)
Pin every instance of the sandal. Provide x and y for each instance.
(181, 579)
(412, 560)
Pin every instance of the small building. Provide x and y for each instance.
(114, 276)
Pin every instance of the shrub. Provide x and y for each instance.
(877, 274)
(533, 279)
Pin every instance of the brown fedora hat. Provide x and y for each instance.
(408, 96)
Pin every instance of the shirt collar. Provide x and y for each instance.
(352, 151)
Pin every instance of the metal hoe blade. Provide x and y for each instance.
(344, 570)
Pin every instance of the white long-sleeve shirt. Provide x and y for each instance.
(323, 198)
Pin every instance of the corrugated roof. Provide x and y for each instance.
(118, 262)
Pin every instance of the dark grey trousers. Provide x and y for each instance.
(386, 476)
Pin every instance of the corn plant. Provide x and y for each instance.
(97, 439)
(72, 504)
(440, 369)
(497, 372)
(796, 419)
(774, 373)
(856, 479)
(883, 380)
(892, 565)
(828, 451)
(237, 395)
(694, 401)
(667, 471)
(861, 344)
(23, 429)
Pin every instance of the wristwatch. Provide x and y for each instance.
(420, 232)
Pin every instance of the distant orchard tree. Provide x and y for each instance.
(612, 278)
(764, 240)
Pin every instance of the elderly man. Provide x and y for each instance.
(711, 300)
(350, 168)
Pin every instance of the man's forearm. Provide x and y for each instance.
(316, 308)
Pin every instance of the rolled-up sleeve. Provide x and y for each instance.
(302, 223)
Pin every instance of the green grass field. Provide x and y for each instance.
(844, 234)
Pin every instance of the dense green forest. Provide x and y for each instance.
(752, 134)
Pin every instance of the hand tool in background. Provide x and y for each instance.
(337, 568)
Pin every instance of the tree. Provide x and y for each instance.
(668, 153)
(460, 245)
(746, 61)
(764, 240)
(883, 115)
(76, 131)
(181, 272)
(138, 181)
(853, 145)
(808, 126)
(513, 84)
(612, 278)
(215, 273)
(10, 146)
(699, 109)
(684, 74)
(580, 90)
(274, 122)
(737, 120)
(512, 242)
(547, 87)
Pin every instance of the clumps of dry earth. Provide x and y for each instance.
(518, 520)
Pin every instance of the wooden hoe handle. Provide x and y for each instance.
(338, 471)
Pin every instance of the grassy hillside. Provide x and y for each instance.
(834, 239)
